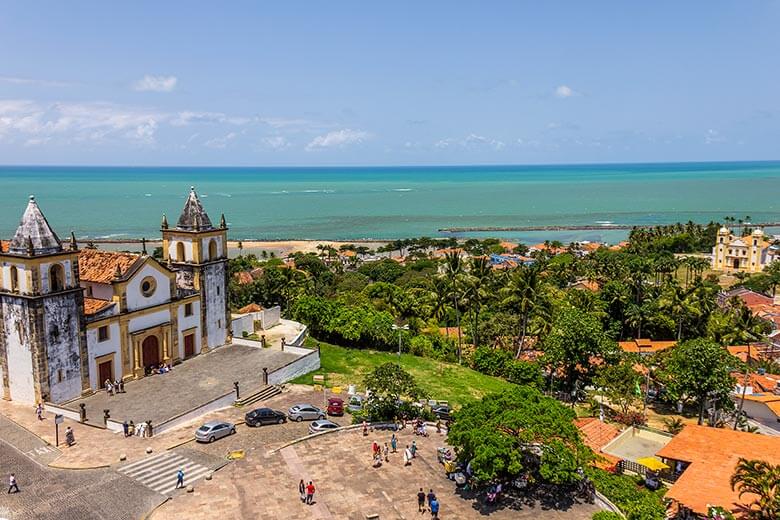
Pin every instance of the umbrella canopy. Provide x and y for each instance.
(652, 463)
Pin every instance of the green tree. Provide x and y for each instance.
(698, 370)
(575, 339)
(619, 382)
(761, 479)
(521, 430)
(387, 384)
(522, 294)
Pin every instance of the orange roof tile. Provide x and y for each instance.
(4, 246)
(252, 307)
(713, 454)
(99, 266)
(94, 305)
(244, 278)
(645, 345)
(596, 433)
(774, 406)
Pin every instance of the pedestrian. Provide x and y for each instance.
(438, 426)
(394, 443)
(302, 490)
(434, 505)
(180, 478)
(431, 497)
(12, 484)
(310, 493)
(39, 411)
(365, 429)
(70, 440)
(421, 501)
(413, 449)
(116, 386)
(131, 429)
(407, 456)
(109, 387)
(374, 448)
(387, 453)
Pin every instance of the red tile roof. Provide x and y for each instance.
(252, 307)
(713, 454)
(645, 345)
(244, 278)
(596, 433)
(4, 246)
(99, 266)
(93, 305)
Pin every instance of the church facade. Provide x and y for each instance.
(749, 253)
(71, 319)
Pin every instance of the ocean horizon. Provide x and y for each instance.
(389, 202)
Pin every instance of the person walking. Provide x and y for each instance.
(12, 484)
(131, 429)
(386, 451)
(421, 501)
(431, 497)
(413, 449)
(407, 456)
(109, 387)
(125, 427)
(394, 443)
(434, 505)
(39, 411)
(180, 478)
(70, 439)
(116, 386)
(310, 493)
(302, 490)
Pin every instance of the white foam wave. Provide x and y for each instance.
(402, 189)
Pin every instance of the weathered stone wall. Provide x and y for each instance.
(16, 345)
(215, 302)
(61, 337)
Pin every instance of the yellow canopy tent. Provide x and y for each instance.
(652, 463)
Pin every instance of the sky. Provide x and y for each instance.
(390, 83)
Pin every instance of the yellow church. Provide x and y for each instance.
(748, 253)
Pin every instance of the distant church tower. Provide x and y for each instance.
(43, 349)
(198, 251)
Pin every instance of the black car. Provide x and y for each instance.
(442, 411)
(264, 416)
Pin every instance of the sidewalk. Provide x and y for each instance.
(95, 447)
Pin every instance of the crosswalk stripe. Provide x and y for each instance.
(154, 480)
(168, 463)
(159, 473)
(187, 480)
(145, 462)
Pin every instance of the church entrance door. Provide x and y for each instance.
(189, 345)
(151, 352)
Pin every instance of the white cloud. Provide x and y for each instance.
(713, 137)
(338, 139)
(155, 84)
(31, 81)
(276, 142)
(471, 141)
(564, 91)
(220, 143)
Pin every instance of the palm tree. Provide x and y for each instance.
(453, 269)
(522, 294)
(679, 303)
(762, 479)
(476, 290)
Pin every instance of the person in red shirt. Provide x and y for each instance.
(310, 493)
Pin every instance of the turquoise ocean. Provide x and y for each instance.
(353, 203)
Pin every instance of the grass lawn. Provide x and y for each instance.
(443, 381)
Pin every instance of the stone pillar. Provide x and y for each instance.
(137, 369)
(166, 350)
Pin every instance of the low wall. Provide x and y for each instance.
(298, 340)
(295, 368)
(301, 351)
(270, 317)
(243, 323)
(216, 404)
(70, 414)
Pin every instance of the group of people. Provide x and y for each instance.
(115, 387)
(306, 491)
(420, 428)
(142, 430)
(378, 452)
(433, 502)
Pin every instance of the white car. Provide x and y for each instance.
(322, 426)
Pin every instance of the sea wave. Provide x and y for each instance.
(402, 189)
(319, 191)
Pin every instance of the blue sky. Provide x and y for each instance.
(342, 83)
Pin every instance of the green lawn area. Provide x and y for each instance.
(443, 381)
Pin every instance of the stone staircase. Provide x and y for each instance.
(263, 394)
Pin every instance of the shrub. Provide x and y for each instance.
(630, 418)
(636, 502)
(421, 346)
(606, 515)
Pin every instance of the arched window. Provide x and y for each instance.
(213, 249)
(180, 251)
(14, 279)
(56, 278)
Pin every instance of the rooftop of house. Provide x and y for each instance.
(596, 434)
(34, 233)
(93, 305)
(252, 307)
(99, 266)
(244, 277)
(713, 454)
(4, 246)
(193, 217)
(645, 346)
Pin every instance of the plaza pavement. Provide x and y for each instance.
(191, 384)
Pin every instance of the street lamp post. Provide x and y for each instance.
(399, 329)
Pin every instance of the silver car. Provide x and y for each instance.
(322, 425)
(309, 412)
(214, 430)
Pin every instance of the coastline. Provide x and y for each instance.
(280, 248)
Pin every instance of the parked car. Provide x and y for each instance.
(214, 430)
(308, 412)
(442, 411)
(322, 426)
(335, 406)
(264, 416)
(355, 403)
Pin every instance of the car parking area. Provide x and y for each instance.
(267, 437)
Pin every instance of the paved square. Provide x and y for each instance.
(190, 384)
